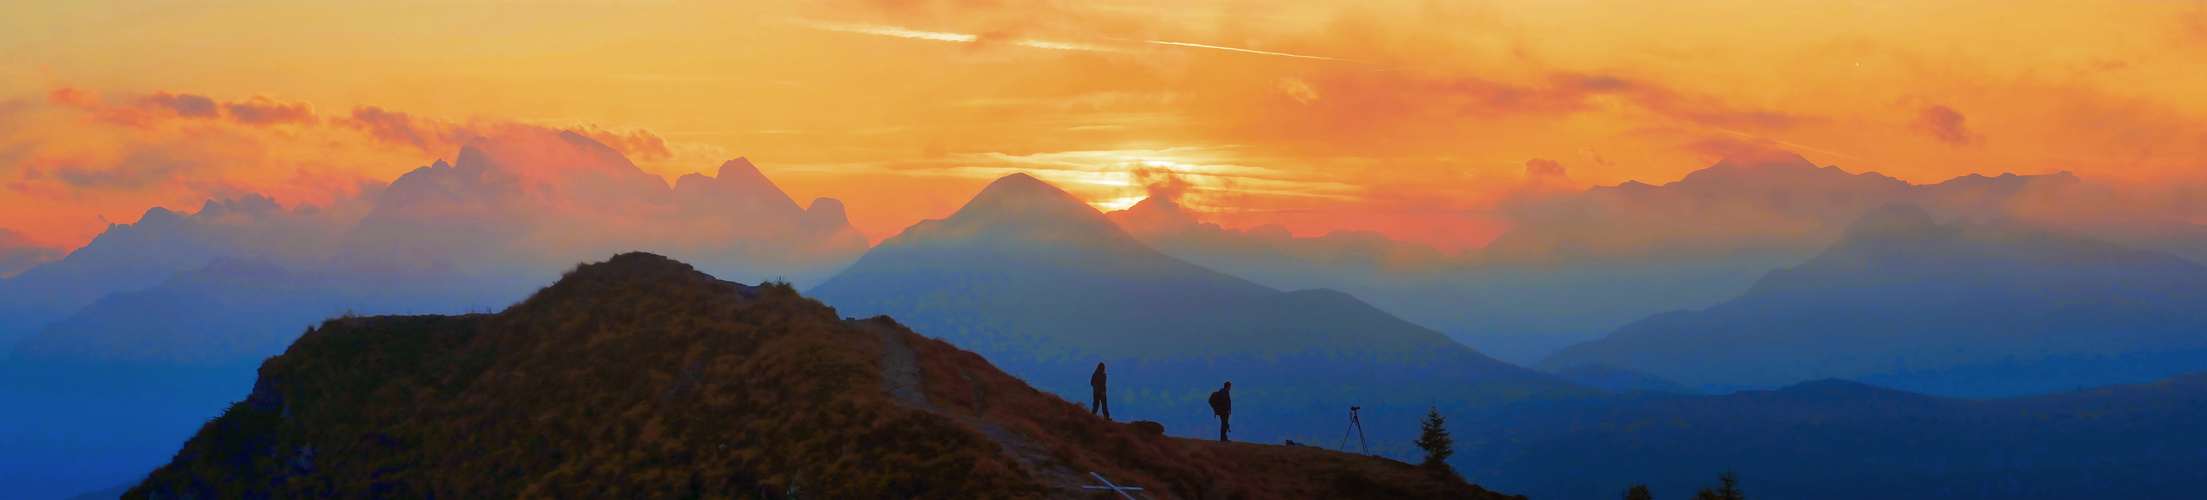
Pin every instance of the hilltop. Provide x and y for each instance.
(641, 377)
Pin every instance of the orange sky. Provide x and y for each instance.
(1410, 117)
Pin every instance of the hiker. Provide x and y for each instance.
(1222, 403)
(1101, 405)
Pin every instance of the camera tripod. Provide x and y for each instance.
(1357, 426)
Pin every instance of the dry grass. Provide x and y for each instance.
(642, 378)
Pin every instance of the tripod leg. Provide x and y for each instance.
(1360, 438)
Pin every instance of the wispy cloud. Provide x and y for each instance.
(943, 36)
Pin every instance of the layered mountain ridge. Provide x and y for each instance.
(1972, 309)
(1047, 287)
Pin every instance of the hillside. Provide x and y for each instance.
(1046, 287)
(640, 377)
(1832, 439)
(1967, 309)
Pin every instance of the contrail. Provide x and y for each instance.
(889, 31)
(1202, 46)
(942, 36)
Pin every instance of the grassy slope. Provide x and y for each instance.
(642, 378)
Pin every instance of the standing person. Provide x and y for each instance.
(1222, 403)
(1101, 404)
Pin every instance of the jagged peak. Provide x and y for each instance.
(740, 167)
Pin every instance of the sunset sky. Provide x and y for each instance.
(1416, 118)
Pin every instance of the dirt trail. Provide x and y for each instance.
(900, 378)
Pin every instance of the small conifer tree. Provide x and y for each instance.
(1728, 488)
(1433, 438)
(1638, 492)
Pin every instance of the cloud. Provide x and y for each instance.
(636, 143)
(184, 105)
(1945, 124)
(170, 148)
(263, 110)
(1161, 182)
(1542, 168)
(141, 168)
(74, 97)
(162, 107)
(399, 128)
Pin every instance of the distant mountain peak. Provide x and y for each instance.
(742, 168)
(1155, 215)
(1024, 191)
(1020, 206)
(828, 210)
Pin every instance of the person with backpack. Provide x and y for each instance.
(1222, 403)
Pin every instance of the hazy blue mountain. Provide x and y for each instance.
(130, 257)
(1577, 266)
(1961, 309)
(1841, 439)
(1045, 287)
(1522, 313)
(757, 232)
(155, 325)
(1620, 380)
(18, 252)
(1272, 256)
(111, 493)
(108, 392)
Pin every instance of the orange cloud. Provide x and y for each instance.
(262, 110)
(903, 107)
(1945, 124)
(74, 97)
(174, 149)
(399, 128)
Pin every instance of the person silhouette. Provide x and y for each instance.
(1222, 403)
(1101, 405)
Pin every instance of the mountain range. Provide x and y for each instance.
(1966, 309)
(1760, 272)
(1578, 266)
(1046, 286)
(163, 320)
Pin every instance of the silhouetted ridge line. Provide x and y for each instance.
(640, 376)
